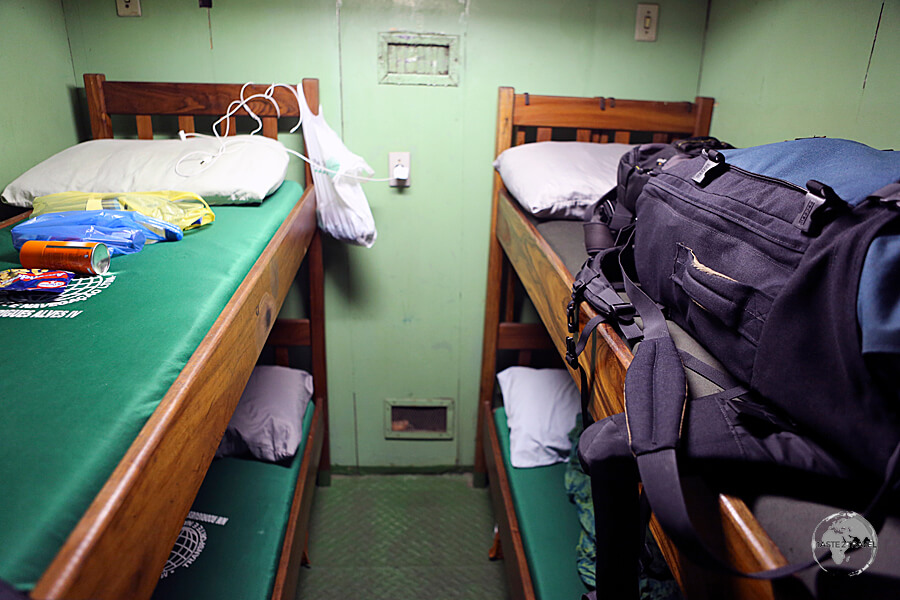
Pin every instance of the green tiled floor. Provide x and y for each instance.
(397, 537)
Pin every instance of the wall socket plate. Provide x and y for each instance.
(128, 8)
(646, 22)
(401, 160)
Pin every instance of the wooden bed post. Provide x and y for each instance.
(492, 300)
(317, 304)
(101, 124)
(703, 119)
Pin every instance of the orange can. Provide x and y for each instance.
(79, 257)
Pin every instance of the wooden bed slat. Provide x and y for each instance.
(186, 124)
(623, 137)
(520, 136)
(660, 138)
(626, 115)
(519, 336)
(544, 134)
(270, 127)
(583, 135)
(144, 127)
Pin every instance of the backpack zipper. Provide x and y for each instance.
(761, 233)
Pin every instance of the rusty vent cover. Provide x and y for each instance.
(430, 418)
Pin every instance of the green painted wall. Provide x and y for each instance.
(37, 114)
(781, 69)
(405, 317)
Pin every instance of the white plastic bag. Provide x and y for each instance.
(343, 211)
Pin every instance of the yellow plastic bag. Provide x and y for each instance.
(182, 209)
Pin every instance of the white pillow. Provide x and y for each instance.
(541, 408)
(251, 168)
(560, 180)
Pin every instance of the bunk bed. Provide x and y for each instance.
(131, 518)
(520, 252)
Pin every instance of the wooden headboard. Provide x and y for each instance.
(145, 100)
(599, 120)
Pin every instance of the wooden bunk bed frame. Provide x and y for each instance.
(121, 543)
(516, 243)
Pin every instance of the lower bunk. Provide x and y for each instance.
(540, 530)
(244, 535)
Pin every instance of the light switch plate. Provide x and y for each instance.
(128, 8)
(646, 22)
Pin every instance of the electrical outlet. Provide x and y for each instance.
(646, 21)
(398, 169)
(128, 8)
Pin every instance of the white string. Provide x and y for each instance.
(207, 159)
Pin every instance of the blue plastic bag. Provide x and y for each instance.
(123, 232)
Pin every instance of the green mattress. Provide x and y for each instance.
(548, 523)
(232, 539)
(82, 377)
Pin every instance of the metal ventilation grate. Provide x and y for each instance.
(418, 59)
(418, 419)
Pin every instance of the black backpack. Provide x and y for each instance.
(616, 211)
(756, 253)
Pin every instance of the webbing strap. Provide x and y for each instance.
(707, 371)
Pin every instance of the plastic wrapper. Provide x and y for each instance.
(46, 281)
(185, 210)
(123, 232)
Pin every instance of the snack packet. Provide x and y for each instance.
(14, 281)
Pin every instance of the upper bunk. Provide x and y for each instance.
(120, 403)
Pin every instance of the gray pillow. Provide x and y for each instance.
(268, 420)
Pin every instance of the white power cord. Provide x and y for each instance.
(207, 159)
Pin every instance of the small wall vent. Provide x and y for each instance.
(421, 419)
(418, 59)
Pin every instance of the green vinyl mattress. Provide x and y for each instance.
(81, 377)
(548, 523)
(230, 545)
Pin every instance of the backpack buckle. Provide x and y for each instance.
(819, 199)
(571, 356)
(572, 316)
(622, 311)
